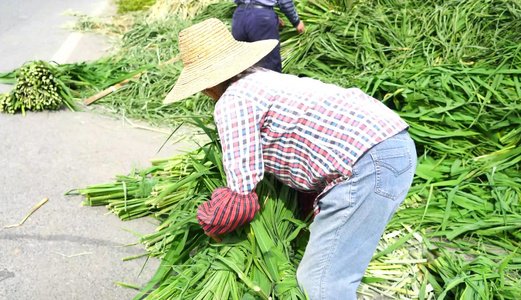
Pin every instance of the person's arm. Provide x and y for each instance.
(238, 122)
(288, 8)
(226, 211)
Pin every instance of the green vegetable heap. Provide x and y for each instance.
(37, 88)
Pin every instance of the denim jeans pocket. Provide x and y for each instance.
(265, 17)
(393, 171)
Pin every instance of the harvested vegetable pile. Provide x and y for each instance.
(450, 68)
(257, 262)
(37, 88)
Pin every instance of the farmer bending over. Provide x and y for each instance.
(310, 135)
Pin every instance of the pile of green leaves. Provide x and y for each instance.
(451, 69)
(257, 261)
(370, 37)
(144, 45)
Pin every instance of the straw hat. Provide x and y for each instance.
(211, 55)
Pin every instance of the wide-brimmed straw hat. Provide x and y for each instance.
(211, 55)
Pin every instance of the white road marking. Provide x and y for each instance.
(62, 55)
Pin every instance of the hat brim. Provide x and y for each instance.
(226, 64)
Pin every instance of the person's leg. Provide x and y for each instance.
(352, 218)
(263, 24)
(239, 23)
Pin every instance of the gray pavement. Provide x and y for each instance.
(33, 29)
(65, 250)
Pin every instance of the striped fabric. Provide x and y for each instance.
(286, 7)
(227, 210)
(305, 132)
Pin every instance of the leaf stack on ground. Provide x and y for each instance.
(258, 261)
(37, 88)
(450, 68)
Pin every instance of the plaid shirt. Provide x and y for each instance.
(305, 132)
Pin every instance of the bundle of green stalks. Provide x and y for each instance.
(40, 85)
(450, 69)
(257, 261)
(36, 87)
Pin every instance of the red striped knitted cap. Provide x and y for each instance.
(227, 210)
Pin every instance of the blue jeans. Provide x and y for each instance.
(352, 218)
(256, 24)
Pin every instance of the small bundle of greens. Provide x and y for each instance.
(37, 88)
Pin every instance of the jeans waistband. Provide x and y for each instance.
(251, 5)
(402, 135)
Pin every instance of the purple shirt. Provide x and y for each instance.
(307, 133)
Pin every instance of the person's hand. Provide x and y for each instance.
(300, 27)
(281, 22)
(214, 236)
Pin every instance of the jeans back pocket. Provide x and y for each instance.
(393, 171)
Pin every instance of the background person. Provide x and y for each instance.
(256, 20)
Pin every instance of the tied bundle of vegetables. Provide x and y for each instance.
(258, 261)
(37, 88)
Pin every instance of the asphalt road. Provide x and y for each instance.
(64, 250)
(33, 29)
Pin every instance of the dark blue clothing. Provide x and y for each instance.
(256, 24)
(286, 7)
